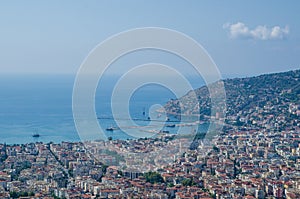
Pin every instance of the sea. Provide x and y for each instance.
(42, 104)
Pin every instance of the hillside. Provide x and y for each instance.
(269, 101)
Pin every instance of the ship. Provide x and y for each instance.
(36, 135)
(164, 131)
(110, 129)
(170, 125)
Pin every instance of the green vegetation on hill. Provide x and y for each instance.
(269, 101)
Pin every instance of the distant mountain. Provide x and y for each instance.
(270, 101)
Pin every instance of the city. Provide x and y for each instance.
(243, 164)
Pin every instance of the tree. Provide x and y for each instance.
(188, 182)
(104, 167)
(14, 194)
(216, 148)
(153, 177)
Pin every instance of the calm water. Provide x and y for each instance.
(43, 104)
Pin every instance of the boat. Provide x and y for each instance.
(170, 125)
(164, 131)
(110, 129)
(36, 135)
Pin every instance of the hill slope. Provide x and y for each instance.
(269, 101)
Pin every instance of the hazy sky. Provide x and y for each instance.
(243, 38)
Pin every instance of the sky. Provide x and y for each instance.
(243, 38)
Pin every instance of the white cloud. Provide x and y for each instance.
(240, 30)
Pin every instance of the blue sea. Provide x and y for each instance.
(43, 104)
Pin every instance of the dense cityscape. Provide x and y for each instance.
(244, 164)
